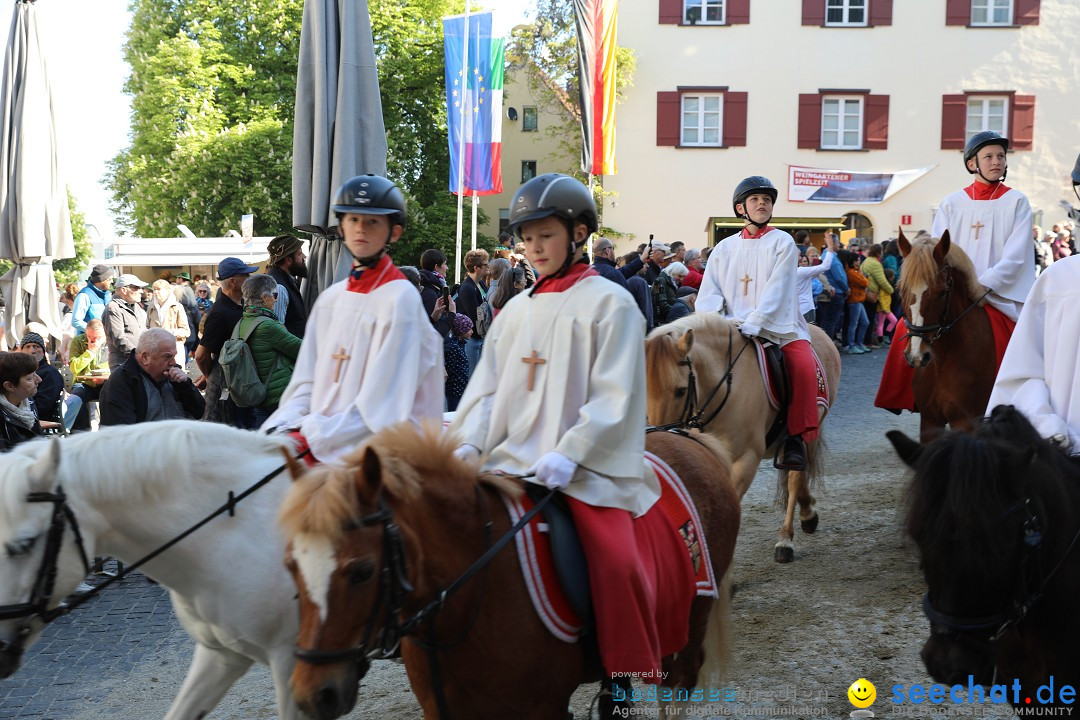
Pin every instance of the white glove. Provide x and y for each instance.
(749, 330)
(467, 453)
(554, 470)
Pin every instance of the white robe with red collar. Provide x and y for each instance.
(1002, 254)
(394, 372)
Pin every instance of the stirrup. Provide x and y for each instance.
(791, 455)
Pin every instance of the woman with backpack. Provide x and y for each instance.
(273, 348)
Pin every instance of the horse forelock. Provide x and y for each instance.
(921, 269)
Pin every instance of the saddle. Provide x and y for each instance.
(777, 385)
(567, 553)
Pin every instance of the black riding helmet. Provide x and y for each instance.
(561, 196)
(976, 143)
(750, 186)
(371, 195)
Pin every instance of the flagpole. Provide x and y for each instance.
(475, 211)
(592, 194)
(461, 146)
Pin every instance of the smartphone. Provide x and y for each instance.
(446, 297)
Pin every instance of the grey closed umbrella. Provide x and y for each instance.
(35, 223)
(339, 131)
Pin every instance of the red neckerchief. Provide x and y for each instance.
(747, 236)
(577, 271)
(364, 280)
(985, 191)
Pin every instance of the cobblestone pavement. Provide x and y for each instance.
(123, 656)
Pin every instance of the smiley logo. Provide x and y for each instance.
(862, 693)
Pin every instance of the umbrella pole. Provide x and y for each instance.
(461, 148)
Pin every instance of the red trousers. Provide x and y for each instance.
(642, 585)
(801, 366)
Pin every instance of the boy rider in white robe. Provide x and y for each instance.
(559, 392)
(751, 278)
(991, 222)
(370, 357)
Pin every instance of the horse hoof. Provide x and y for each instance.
(784, 554)
(810, 525)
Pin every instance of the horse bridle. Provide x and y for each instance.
(981, 631)
(41, 592)
(394, 585)
(693, 416)
(943, 325)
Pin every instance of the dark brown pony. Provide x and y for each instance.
(996, 517)
(950, 341)
(403, 512)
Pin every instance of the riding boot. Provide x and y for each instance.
(792, 454)
(608, 706)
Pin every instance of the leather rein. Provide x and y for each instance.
(944, 325)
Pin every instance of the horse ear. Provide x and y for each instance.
(43, 473)
(909, 450)
(903, 244)
(941, 250)
(295, 467)
(685, 343)
(372, 470)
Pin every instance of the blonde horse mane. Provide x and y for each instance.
(920, 268)
(324, 498)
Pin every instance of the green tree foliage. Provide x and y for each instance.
(213, 92)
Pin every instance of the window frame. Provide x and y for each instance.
(703, 6)
(845, 9)
(701, 128)
(1006, 110)
(525, 113)
(524, 165)
(990, 6)
(841, 130)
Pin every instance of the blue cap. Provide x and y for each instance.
(231, 266)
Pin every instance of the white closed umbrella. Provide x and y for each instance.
(339, 131)
(35, 223)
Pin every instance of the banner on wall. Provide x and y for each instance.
(820, 185)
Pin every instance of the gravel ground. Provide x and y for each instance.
(848, 607)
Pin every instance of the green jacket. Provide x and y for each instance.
(81, 360)
(270, 341)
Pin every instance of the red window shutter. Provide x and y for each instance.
(671, 12)
(1022, 123)
(1027, 12)
(738, 12)
(813, 13)
(810, 121)
(953, 122)
(957, 12)
(735, 119)
(880, 13)
(667, 118)
(876, 122)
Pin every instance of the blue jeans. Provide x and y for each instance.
(473, 347)
(857, 323)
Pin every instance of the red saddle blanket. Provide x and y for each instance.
(772, 384)
(538, 567)
(895, 392)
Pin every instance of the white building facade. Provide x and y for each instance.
(815, 90)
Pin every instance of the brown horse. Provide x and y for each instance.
(950, 341)
(375, 541)
(710, 349)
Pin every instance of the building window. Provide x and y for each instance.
(528, 170)
(529, 118)
(841, 123)
(991, 12)
(704, 12)
(702, 120)
(987, 113)
(845, 13)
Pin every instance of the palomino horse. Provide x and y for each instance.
(996, 517)
(373, 546)
(705, 355)
(950, 342)
(131, 489)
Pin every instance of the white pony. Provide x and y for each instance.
(134, 488)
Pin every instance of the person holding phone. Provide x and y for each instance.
(434, 291)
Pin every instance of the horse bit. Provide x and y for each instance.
(42, 590)
(942, 326)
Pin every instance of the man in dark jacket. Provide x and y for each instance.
(604, 262)
(433, 267)
(150, 385)
(287, 265)
(124, 319)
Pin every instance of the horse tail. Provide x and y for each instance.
(815, 470)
